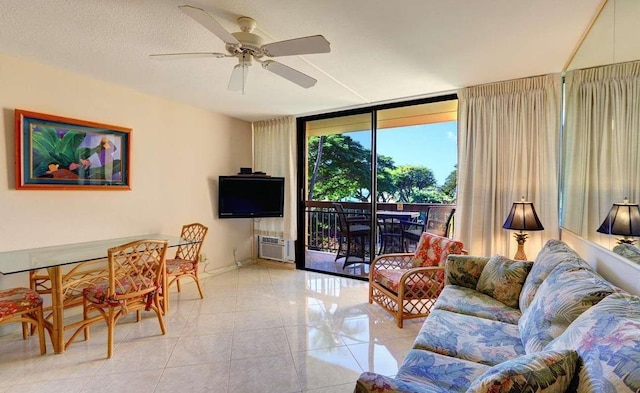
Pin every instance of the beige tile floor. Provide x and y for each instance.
(258, 329)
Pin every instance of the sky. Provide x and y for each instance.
(430, 145)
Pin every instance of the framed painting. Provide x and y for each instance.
(59, 153)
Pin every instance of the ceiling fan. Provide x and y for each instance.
(247, 47)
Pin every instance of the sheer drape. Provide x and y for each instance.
(508, 145)
(274, 152)
(602, 135)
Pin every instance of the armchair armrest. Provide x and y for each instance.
(392, 261)
(358, 220)
(370, 383)
(464, 270)
(412, 225)
(421, 283)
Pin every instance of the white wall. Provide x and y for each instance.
(616, 269)
(178, 152)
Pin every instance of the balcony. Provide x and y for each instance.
(322, 234)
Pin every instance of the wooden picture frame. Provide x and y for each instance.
(60, 153)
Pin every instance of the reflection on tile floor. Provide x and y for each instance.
(257, 330)
(325, 262)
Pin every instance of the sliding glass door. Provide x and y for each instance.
(338, 175)
(345, 218)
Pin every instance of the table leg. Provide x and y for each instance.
(165, 290)
(57, 308)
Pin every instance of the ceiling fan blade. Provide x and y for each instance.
(289, 73)
(205, 19)
(195, 55)
(297, 46)
(238, 77)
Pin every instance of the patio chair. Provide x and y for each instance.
(23, 305)
(185, 263)
(390, 232)
(407, 284)
(136, 271)
(355, 233)
(437, 221)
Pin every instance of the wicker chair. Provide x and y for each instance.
(23, 305)
(74, 280)
(136, 273)
(406, 284)
(185, 263)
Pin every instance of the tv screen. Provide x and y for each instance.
(249, 197)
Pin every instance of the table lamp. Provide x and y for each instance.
(522, 217)
(623, 220)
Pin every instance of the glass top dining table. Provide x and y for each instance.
(54, 258)
(20, 261)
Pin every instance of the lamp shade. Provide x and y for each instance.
(523, 217)
(623, 219)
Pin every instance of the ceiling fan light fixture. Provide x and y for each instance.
(247, 46)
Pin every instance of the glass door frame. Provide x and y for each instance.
(302, 164)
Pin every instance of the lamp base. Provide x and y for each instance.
(520, 238)
(626, 240)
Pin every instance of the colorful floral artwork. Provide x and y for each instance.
(62, 153)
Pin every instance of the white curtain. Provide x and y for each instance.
(602, 135)
(508, 147)
(274, 152)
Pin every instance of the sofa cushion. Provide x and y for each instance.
(502, 279)
(471, 338)
(547, 372)
(369, 382)
(423, 372)
(568, 291)
(553, 253)
(607, 340)
(464, 270)
(463, 300)
(432, 250)
(448, 373)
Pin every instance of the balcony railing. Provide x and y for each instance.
(322, 220)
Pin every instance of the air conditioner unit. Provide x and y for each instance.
(276, 248)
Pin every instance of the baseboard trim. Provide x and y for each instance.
(276, 264)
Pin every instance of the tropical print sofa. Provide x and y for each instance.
(552, 325)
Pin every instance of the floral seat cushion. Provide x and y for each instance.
(390, 279)
(607, 339)
(471, 338)
(463, 300)
(176, 266)
(424, 371)
(99, 293)
(16, 300)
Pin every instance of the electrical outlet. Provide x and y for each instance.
(399, 207)
(203, 258)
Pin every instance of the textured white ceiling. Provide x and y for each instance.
(380, 50)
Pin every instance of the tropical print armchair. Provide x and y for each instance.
(407, 285)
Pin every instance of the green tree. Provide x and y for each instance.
(340, 168)
(410, 181)
(451, 184)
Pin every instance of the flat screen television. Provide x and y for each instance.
(250, 197)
